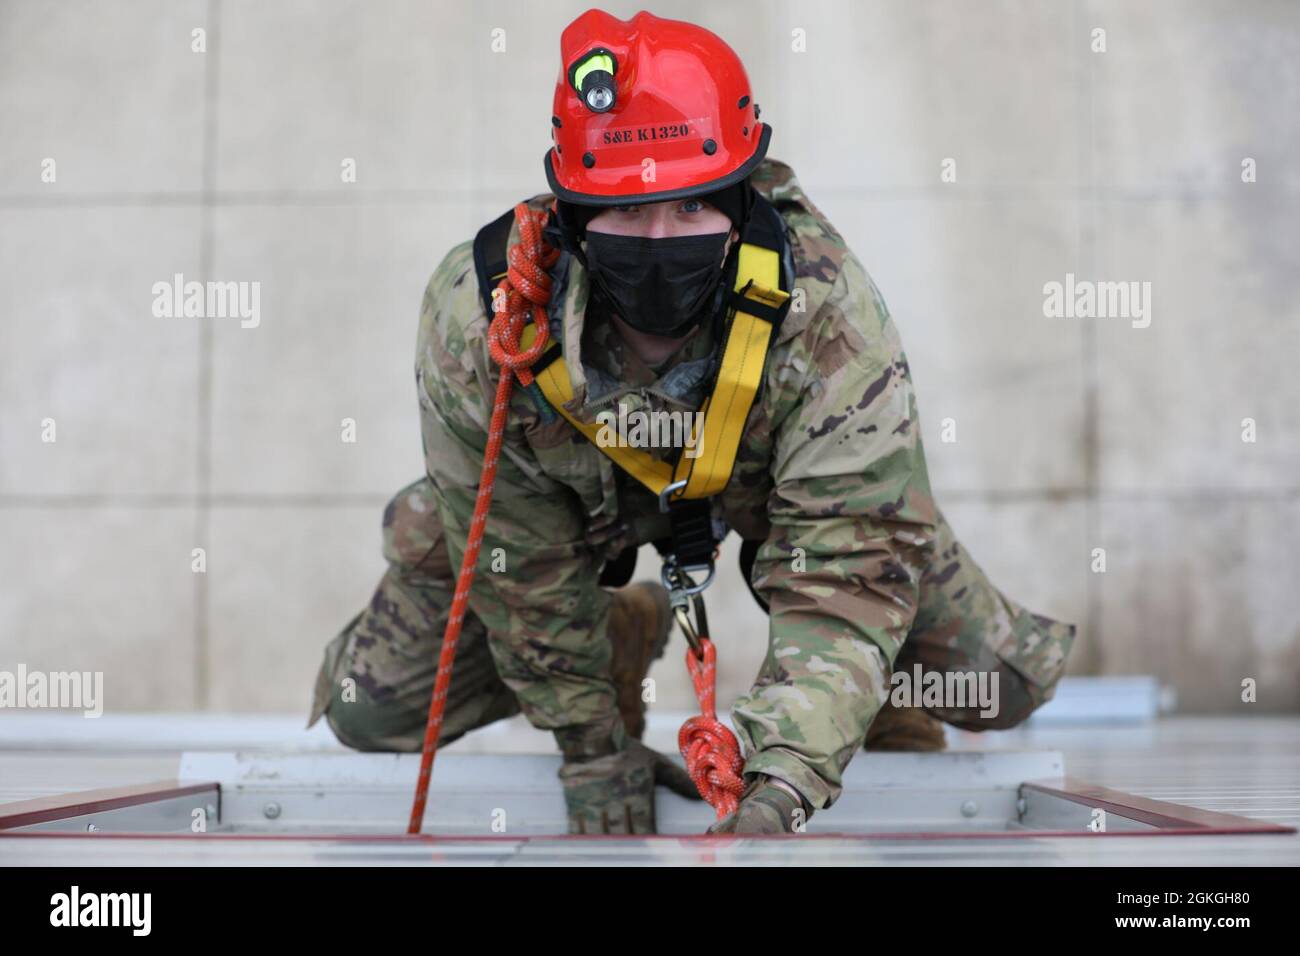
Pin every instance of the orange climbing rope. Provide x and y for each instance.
(709, 747)
(522, 294)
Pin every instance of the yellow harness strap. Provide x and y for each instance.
(744, 355)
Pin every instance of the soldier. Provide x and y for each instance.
(824, 477)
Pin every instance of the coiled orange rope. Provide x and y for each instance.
(522, 294)
(709, 747)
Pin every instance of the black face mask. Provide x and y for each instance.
(657, 286)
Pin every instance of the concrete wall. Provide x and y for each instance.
(1072, 434)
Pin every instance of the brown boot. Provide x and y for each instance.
(904, 728)
(639, 622)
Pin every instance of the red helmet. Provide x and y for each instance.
(651, 109)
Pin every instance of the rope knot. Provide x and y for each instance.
(523, 295)
(710, 749)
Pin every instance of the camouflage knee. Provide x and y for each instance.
(1031, 665)
(359, 719)
(1020, 675)
(374, 691)
(393, 720)
(364, 722)
(965, 629)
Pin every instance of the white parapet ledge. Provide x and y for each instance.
(946, 770)
(494, 794)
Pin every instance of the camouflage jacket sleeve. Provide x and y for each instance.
(536, 588)
(851, 532)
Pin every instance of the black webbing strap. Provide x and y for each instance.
(748, 552)
(490, 255)
(618, 571)
(692, 532)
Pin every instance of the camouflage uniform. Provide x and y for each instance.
(861, 572)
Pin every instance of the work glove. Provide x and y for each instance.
(616, 793)
(767, 806)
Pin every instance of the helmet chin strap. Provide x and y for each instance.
(562, 232)
(718, 312)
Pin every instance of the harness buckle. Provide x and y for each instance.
(677, 578)
(668, 492)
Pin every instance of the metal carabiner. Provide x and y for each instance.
(684, 596)
(683, 616)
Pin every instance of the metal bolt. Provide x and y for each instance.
(91, 828)
(271, 811)
(970, 808)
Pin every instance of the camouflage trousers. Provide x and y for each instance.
(376, 681)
